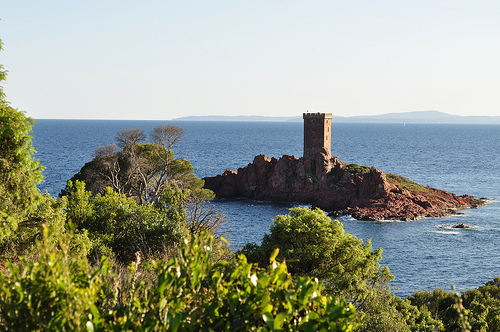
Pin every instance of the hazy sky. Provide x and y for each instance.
(165, 59)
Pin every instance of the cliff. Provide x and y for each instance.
(342, 189)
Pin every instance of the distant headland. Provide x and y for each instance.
(405, 117)
(324, 181)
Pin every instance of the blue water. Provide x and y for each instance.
(464, 159)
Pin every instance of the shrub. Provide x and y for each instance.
(194, 293)
(315, 245)
(357, 169)
(189, 292)
(57, 293)
(19, 171)
(118, 225)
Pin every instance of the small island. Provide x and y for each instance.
(326, 182)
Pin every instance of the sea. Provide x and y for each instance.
(463, 159)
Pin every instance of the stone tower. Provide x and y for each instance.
(317, 134)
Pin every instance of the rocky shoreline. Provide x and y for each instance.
(341, 189)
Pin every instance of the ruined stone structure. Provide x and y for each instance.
(317, 135)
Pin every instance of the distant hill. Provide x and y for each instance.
(250, 118)
(421, 117)
(406, 117)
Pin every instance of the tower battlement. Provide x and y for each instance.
(317, 134)
(317, 115)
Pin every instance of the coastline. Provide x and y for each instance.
(338, 188)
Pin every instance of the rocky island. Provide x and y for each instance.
(324, 181)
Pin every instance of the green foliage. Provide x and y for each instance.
(463, 314)
(439, 303)
(194, 294)
(314, 245)
(357, 169)
(483, 306)
(406, 183)
(49, 212)
(140, 171)
(118, 226)
(189, 292)
(19, 171)
(171, 195)
(450, 309)
(416, 319)
(55, 293)
(183, 187)
(381, 314)
(386, 312)
(149, 174)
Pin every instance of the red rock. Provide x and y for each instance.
(328, 184)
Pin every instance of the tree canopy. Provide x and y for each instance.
(313, 244)
(19, 171)
(146, 172)
(118, 227)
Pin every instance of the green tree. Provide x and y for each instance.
(142, 171)
(440, 304)
(483, 305)
(387, 312)
(314, 245)
(117, 226)
(149, 174)
(19, 171)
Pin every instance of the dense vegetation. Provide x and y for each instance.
(20, 173)
(133, 244)
(192, 291)
(314, 245)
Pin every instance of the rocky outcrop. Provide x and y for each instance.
(342, 189)
(455, 226)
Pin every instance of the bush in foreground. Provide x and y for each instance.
(315, 245)
(189, 292)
